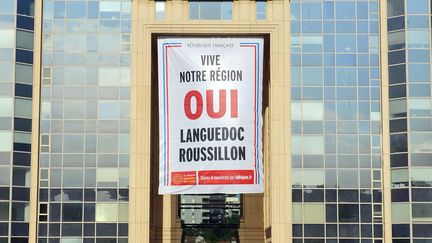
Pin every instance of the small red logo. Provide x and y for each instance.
(183, 178)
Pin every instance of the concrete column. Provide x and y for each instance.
(386, 172)
(252, 224)
(37, 67)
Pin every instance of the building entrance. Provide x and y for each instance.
(210, 218)
(262, 217)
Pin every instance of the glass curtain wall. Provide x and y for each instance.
(410, 119)
(85, 106)
(336, 120)
(16, 84)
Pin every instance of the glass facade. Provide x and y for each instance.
(336, 121)
(16, 90)
(210, 10)
(410, 119)
(85, 106)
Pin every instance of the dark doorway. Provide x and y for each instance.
(210, 218)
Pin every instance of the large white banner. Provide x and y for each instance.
(210, 95)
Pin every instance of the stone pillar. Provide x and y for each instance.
(252, 223)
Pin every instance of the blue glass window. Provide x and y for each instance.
(418, 72)
(417, 6)
(22, 147)
(312, 93)
(347, 110)
(329, 60)
(7, 6)
(22, 159)
(312, 76)
(418, 38)
(261, 10)
(295, 10)
(396, 57)
(59, 10)
(345, 26)
(399, 160)
(396, 23)
(397, 74)
(312, 27)
(72, 229)
(26, 7)
(312, 43)
(24, 22)
(24, 56)
(422, 195)
(92, 10)
(4, 193)
(329, 43)
(346, 76)
(348, 230)
(311, 10)
(362, 27)
(395, 7)
(398, 143)
(106, 229)
(363, 43)
(373, 26)
(417, 21)
(345, 10)
(396, 40)
(20, 229)
(295, 60)
(54, 215)
(7, 22)
(362, 10)
(419, 90)
(210, 10)
(295, 26)
(76, 10)
(397, 91)
(346, 93)
(312, 60)
(314, 230)
(22, 124)
(72, 212)
(329, 26)
(418, 55)
(297, 230)
(345, 43)
(109, 10)
(123, 229)
(422, 230)
(89, 229)
(194, 12)
(328, 10)
(329, 77)
(21, 194)
(160, 7)
(401, 230)
(89, 212)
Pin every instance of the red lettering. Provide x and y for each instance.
(187, 104)
(222, 104)
(195, 94)
(234, 103)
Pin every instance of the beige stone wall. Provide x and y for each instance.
(153, 218)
